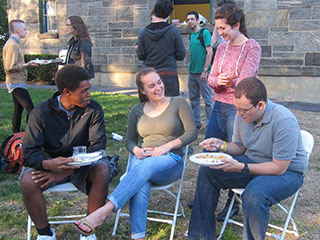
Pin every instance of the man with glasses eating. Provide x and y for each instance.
(269, 161)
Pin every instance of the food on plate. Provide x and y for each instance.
(210, 157)
(44, 61)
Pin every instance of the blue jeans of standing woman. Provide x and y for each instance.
(221, 121)
(261, 192)
(135, 186)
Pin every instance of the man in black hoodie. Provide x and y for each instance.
(68, 119)
(160, 46)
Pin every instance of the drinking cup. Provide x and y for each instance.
(229, 84)
(79, 150)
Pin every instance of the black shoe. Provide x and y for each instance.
(234, 211)
(51, 82)
(190, 204)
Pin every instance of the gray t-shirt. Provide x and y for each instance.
(276, 136)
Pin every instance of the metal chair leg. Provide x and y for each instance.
(226, 219)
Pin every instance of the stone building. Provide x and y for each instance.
(288, 31)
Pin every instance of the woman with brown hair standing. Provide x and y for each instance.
(79, 46)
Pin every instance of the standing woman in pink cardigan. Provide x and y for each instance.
(238, 57)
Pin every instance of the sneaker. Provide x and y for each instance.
(234, 211)
(46, 237)
(90, 237)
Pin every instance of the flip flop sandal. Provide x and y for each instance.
(85, 222)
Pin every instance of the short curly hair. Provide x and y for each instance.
(70, 77)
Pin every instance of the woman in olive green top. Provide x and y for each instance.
(164, 125)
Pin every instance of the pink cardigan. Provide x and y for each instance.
(248, 65)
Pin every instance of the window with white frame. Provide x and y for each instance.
(48, 16)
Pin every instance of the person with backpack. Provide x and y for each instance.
(199, 68)
(16, 72)
(70, 118)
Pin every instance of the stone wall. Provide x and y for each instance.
(288, 31)
(36, 43)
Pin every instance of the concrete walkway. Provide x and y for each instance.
(309, 107)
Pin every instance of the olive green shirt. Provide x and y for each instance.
(175, 122)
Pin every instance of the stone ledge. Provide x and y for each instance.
(48, 35)
(297, 71)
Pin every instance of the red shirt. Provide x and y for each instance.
(240, 61)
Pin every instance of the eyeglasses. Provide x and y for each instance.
(68, 25)
(244, 111)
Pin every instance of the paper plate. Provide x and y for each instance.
(209, 159)
(86, 159)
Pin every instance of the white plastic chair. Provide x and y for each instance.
(308, 142)
(164, 188)
(65, 187)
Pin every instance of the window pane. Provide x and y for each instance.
(52, 23)
(51, 8)
(47, 16)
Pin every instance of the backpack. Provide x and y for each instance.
(11, 153)
(200, 37)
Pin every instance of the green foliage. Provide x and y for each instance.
(2, 74)
(4, 33)
(43, 72)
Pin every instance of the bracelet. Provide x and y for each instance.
(224, 147)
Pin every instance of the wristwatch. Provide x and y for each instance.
(245, 169)
(205, 69)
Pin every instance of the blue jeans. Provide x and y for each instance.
(261, 192)
(135, 186)
(221, 121)
(197, 87)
